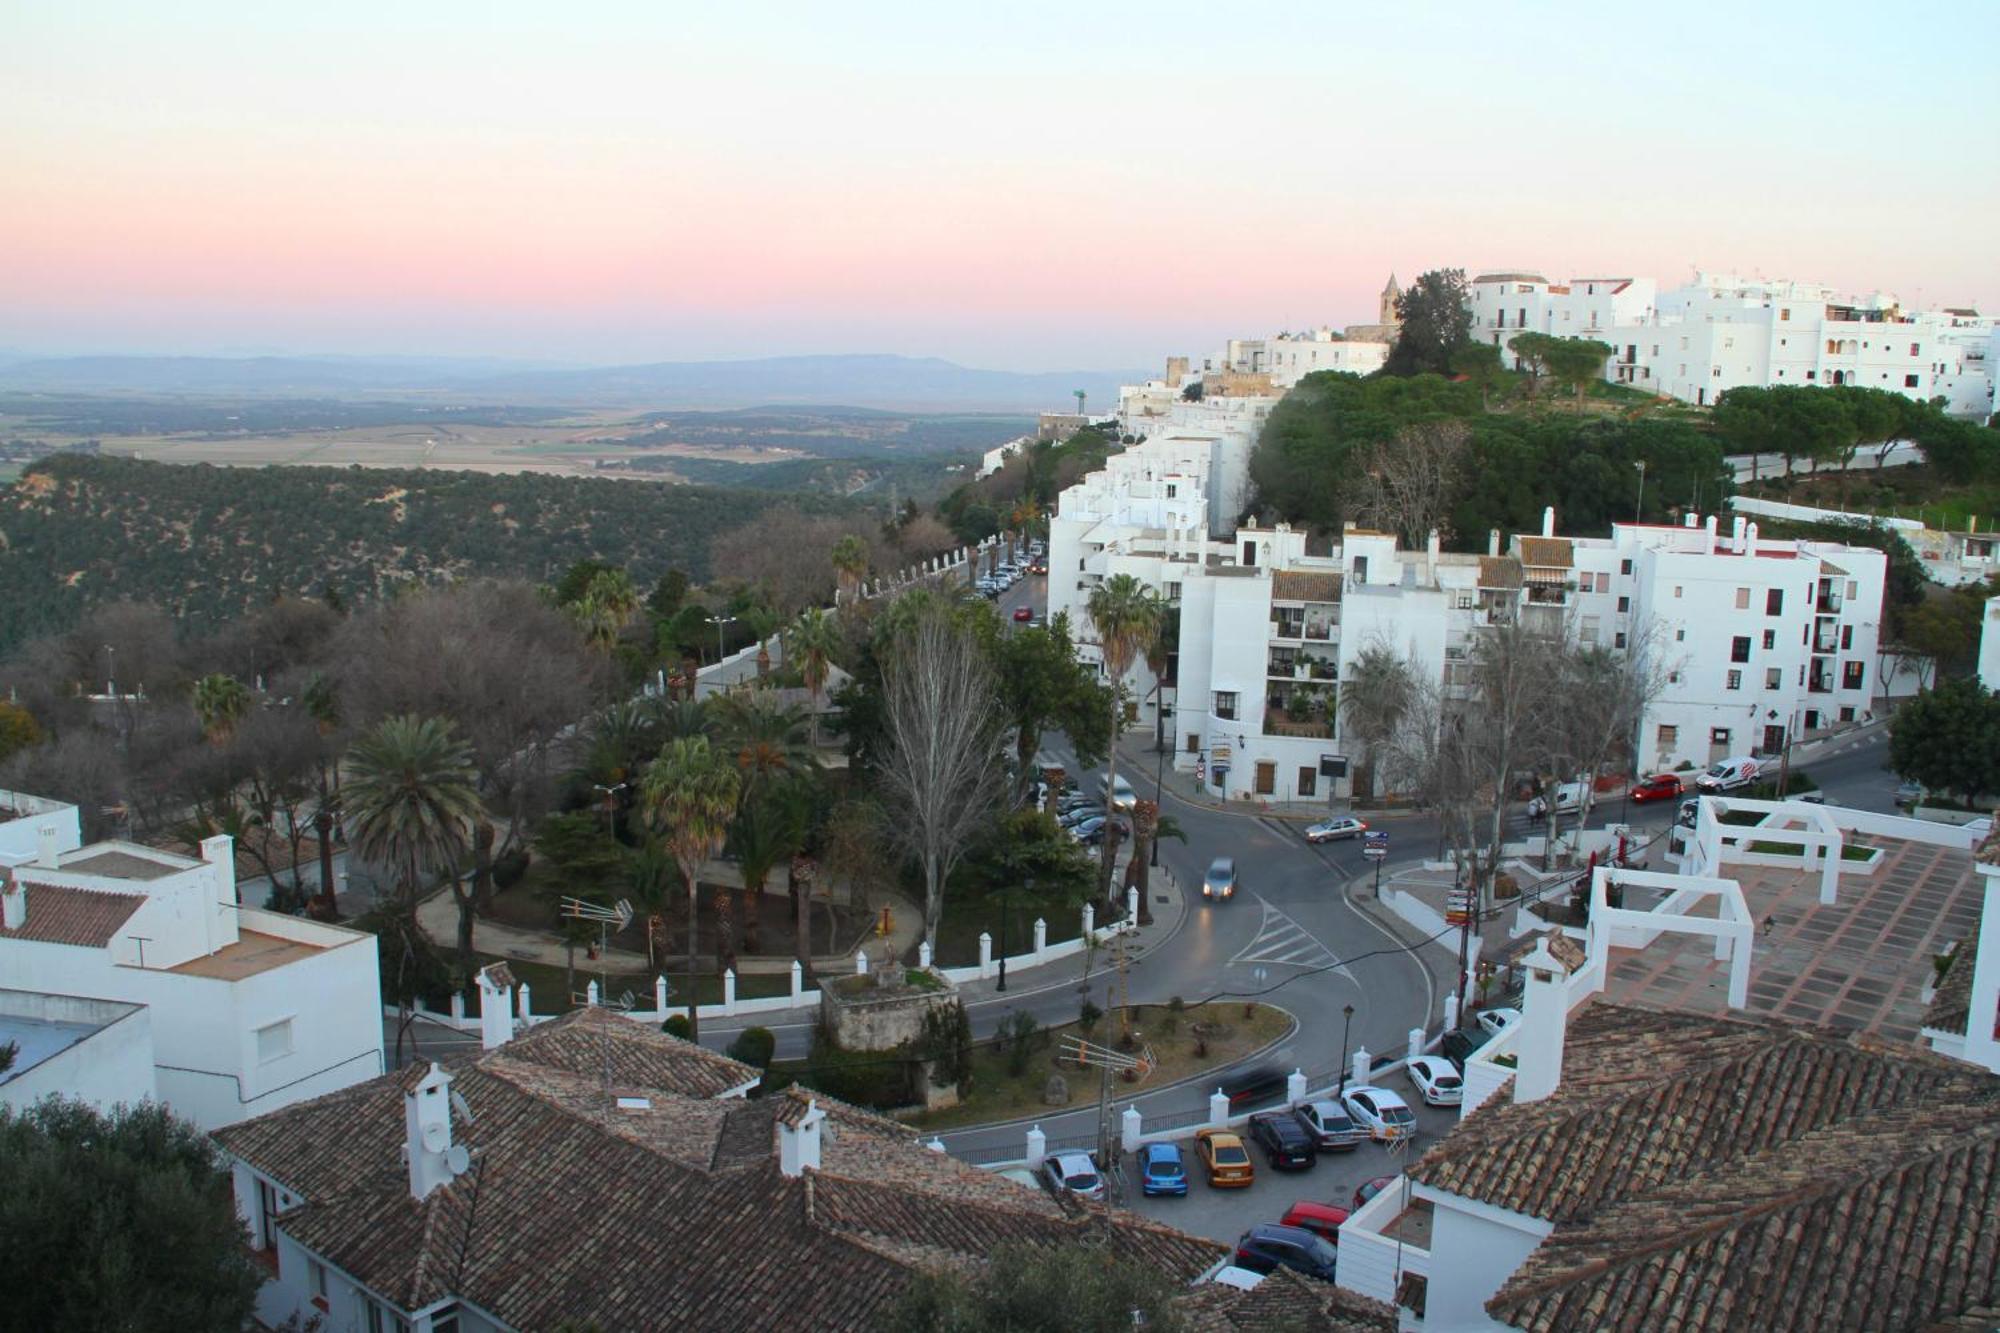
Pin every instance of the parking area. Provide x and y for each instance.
(1224, 1215)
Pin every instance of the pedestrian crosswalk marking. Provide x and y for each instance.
(1285, 942)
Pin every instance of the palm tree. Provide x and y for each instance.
(1373, 702)
(649, 878)
(763, 736)
(411, 798)
(690, 794)
(606, 607)
(764, 836)
(220, 701)
(1148, 827)
(810, 646)
(1127, 615)
(850, 563)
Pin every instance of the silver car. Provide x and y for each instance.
(1219, 884)
(1074, 1173)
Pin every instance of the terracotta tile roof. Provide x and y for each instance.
(1304, 585)
(1499, 571)
(1987, 851)
(1548, 552)
(1952, 1003)
(1284, 1300)
(562, 1178)
(58, 914)
(1723, 1173)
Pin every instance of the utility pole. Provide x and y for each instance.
(1640, 504)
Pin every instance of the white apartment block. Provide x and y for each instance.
(247, 1010)
(1289, 357)
(1989, 645)
(1721, 332)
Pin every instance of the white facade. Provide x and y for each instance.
(1289, 357)
(94, 1051)
(23, 817)
(1989, 645)
(249, 1010)
(1721, 332)
(996, 458)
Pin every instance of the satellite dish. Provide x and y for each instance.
(435, 1136)
(458, 1105)
(458, 1159)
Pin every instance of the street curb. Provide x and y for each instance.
(1054, 1111)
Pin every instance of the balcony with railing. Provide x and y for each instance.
(1826, 637)
(1301, 709)
(1830, 597)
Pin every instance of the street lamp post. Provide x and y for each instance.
(1346, 1025)
(719, 622)
(610, 815)
(1639, 505)
(111, 671)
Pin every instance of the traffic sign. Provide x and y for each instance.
(1375, 853)
(1375, 845)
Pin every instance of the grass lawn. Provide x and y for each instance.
(998, 1094)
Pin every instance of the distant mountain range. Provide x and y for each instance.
(896, 382)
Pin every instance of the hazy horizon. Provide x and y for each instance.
(1037, 188)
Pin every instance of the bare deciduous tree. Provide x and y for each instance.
(1412, 478)
(940, 772)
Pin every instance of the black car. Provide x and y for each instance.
(1460, 1043)
(1247, 1087)
(1263, 1248)
(1284, 1141)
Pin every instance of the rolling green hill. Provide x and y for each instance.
(207, 542)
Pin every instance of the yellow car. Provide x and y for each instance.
(1228, 1161)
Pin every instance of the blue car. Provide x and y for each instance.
(1161, 1171)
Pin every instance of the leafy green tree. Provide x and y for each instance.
(1436, 320)
(669, 595)
(1479, 363)
(119, 1220)
(1080, 1287)
(1949, 740)
(1126, 614)
(1532, 351)
(690, 794)
(850, 565)
(1579, 363)
(18, 730)
(811, 645)
(1042, 685)
(411, 798)
(220, 702)
(1374, 702)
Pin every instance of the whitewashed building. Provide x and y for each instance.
(1504, 304)
(1989, 645)
(95, 1051)
(248, 1010)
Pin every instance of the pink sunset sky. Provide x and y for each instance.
(1025, 186)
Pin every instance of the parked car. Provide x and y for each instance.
(1022, 614)
(1161, 1170)
(1284, 1140)
(1272, 1245)
(1690, 808)
(1436, 1080)
(1091, 831)
(1727, 774)
(1909, 792)
(1074, 1173)
(1568, 798)
(1459, 1044)
(1381, 1112)
(1497, 1021)
(1333, 1130)
(1225, 1158)
(1368, 1189)
(1322, 1219)
(1069, 815)
(1219, 884)
(1659, 787)
(1336, 827)
(1117, 793)
(1247, 1087)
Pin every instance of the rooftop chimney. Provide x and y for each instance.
(798, 1139)
(13, 901)
(433, 1159)
(1750, 540)
(1538, 1050)
(1709, 527)
(1493, 541)
(1549, 521)
(46, 855)
(496, 1006)
(1737, 527)
(1432, 546)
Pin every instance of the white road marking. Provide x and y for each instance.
(1285, 942)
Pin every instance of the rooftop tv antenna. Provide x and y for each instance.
(607, 919)
(1137, 1065)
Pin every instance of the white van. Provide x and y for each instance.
(1118, 795)
(1727, 774)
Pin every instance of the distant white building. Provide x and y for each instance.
(996, 458)
(248, 1010)
(1721, 332)
(1989, 645)
(95, 1051)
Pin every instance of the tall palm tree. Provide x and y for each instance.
(606, 607)
(220, 701)
(1127, 616)
(1148, 827)
(411, 798)
(850, 564)
(1374, 700)
(763, 736)
(690, 794)
(810, 646)
(764, 836)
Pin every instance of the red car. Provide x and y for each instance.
(1370, 1188)
(1024, 613)
(1657, 788)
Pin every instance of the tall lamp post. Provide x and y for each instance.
(719, 622)
(111, 671)
(1006, 895)
(1160, 776)
(610, 810)
(1347, 1024)
(1640, 504)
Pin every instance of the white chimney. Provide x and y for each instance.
(1750, 540)
(496, 1006)
(1493, 541)
(1736, 530)
(1433, 545)
(1691, 520)
(13, 901)
(798, 1143)
(1549, 521)
(1709, 528)
(46, 855)
(433, 1160)
(1538, 1049)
